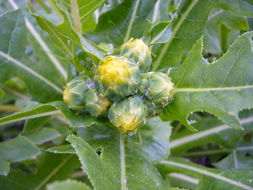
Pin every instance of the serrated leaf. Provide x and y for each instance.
(208, 177)
(14, 150)
(150, 145)
(100, 176)
(111, 165)
(217, 39)
(68, 185)
(191, 17)
(223, 88)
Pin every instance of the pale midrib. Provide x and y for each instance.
(31, 117)
(194, 137)
(207, 173)
(213, 89)
(216, 151)
(53, 172)
(29, 70)
(184, 178)
(235, 159)
(42, 43)
(122, 162)
(131, 22)
(75, 15)
(177, 26)
(155, 13)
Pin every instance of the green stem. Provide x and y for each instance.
(122, 161)
(10, 108)
(75, 15)
(22, 96)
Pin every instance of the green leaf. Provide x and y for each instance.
(91, 163)
(66, 38)
(68, 185)
(48, 168)
(210, 178)
(63, 41)
(186, 28)
(223, 88)
(127, 20)
(210, 130)
(33, 125)
(14, 150)
(12, 46)
(109, 171)
(18, 149)
(140, 149)
(235, 160)
(40, 110)
(4, 167)
(215, 41)
(154, 139)
(34, 111)
(84, 18)
(43, 135)
(62, 149)
(51, 62)
(160, 12)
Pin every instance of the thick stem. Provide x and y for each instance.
(10, 108)
(122, 161)
(75, 15)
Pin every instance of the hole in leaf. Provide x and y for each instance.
(99, 151)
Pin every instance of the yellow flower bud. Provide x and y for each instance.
(138, 51)
(128, 114)
(117, 77)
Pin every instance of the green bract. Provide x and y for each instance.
(128, 114)
(75, 92)
(117, 77)
(138, 51)
(95, 104)
(157, 87)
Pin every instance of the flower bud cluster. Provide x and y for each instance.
(122, 87)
